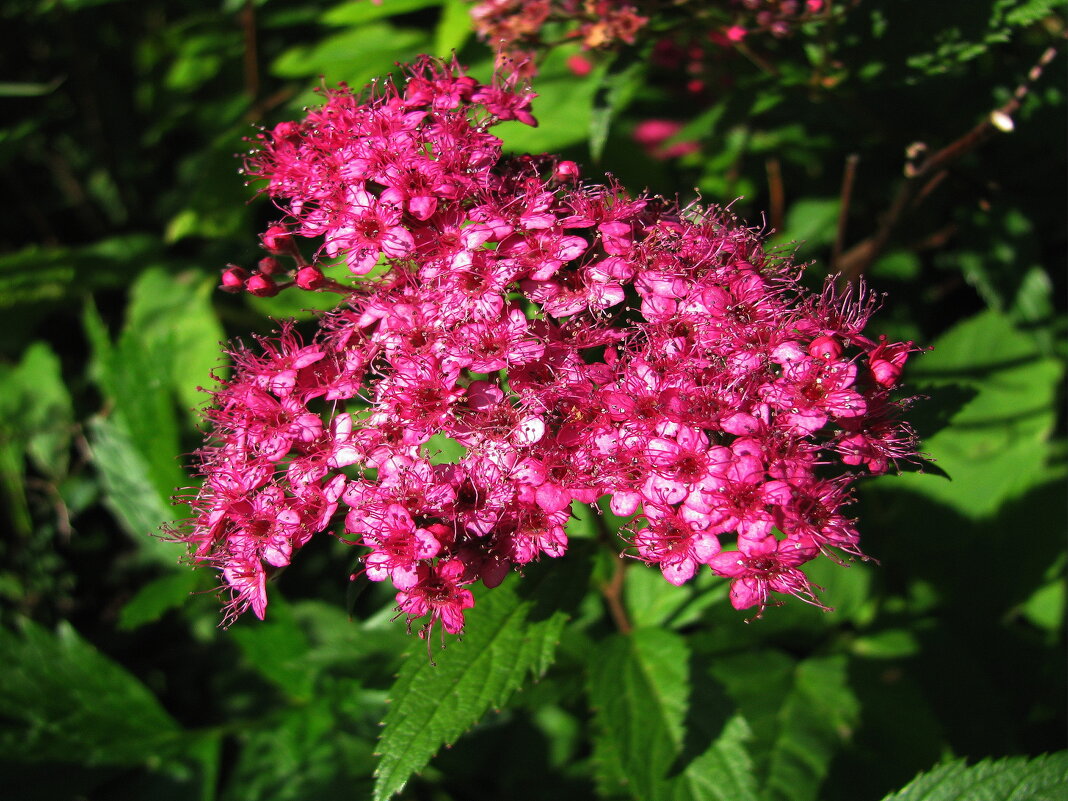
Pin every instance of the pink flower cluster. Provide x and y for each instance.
(517, 27)
(569, 341)
(510, 26)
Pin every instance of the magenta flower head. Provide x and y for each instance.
(577, 342)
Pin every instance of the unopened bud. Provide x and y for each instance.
(277, 239)
(262, 286)
(310, 278)
(825, 347)
(233, 278)
(567, 171)
(269, 265)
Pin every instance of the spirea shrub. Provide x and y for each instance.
(579, 343)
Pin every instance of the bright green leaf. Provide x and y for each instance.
(563, 108)
(663, 734)
(354, 56)
(801, 714)
(1015, 779)
(173, 315)
(360, 12)
(129, 492)
(510, 634)
(812, 222)
(996, 446)
(454, 27)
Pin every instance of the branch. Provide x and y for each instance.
(922, 178)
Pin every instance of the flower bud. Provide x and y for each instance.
(262, 286)
(277, 239)
(310, 278)
(567, 171)
(825, 347)
(269, 265)
(233, 278)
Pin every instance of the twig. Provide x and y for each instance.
(613, 596)
(849, 174)
(917, 186)
(777, 195)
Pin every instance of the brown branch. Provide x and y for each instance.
(776, 193)
(849, 175)
(613, 596)
(918, 185)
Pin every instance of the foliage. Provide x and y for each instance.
(867, 142)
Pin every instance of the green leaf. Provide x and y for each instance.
(158, 597)
(454, 27)
(129, 492)
(49, 417)
(615, 90)
(563, 108)
(24, 89)
(652, 601)
(359, 12)
(510, 634)
(173, 315)
(1015, 779)
(61, 700)
(277, 648)
(996, 446)
(39, 274)
(36, 411)
(354, 56)
(662, 733)
(801, 714)
(318, 751)
(1020, 14)
(811, 221)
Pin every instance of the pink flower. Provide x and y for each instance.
(437, 593)
(530, 343)
(766, 566)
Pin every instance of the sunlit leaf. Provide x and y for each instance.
(1015, 779)
(663, 733)
(510, 635)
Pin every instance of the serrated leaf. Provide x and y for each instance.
(62, 700)
(510, 634)
(1015, 779)
(995, 447)
(801, 714)
(814, 723)
(128, 491)
(135, 446)
(662, 734)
